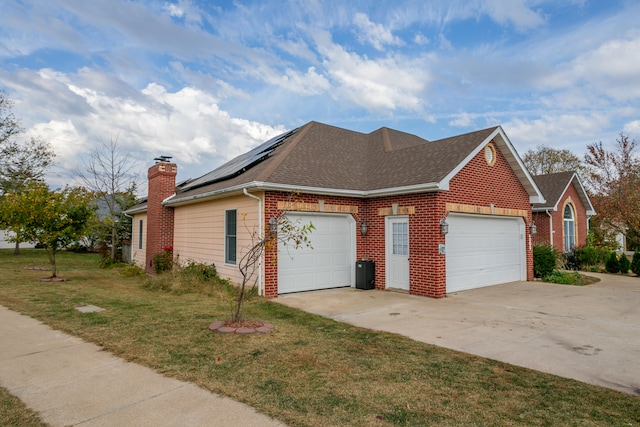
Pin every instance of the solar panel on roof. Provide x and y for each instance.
(241, 163)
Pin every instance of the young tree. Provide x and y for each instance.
(111, 174)
(21, 160)
(545, 160)
(53, 219)
(613, 180)
(280, 230)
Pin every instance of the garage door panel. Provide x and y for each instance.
(483, 251)
(327, 264)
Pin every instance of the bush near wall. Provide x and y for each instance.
(545, 260)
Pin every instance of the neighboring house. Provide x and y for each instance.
(563, 220)
(386, 196)
(5, 244)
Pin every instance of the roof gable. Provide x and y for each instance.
(555, 185)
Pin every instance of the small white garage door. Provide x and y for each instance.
(330, 263)
(484, 251)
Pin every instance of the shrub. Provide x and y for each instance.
(624, 264)
(635, 263)
(587, 256)
(132, 270)
(569, 259)
(612, 265)
(163, 261)
(545, 259)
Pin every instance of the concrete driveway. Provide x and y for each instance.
(590, 333)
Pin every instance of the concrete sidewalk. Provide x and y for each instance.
(73, 383)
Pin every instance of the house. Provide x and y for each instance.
(562, 221)
(434, 217)
(6, 244)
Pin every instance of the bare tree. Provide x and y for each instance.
(111, 174)
(280, 230)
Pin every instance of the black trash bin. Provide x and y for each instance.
(365, 274)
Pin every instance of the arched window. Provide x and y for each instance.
(569, 228)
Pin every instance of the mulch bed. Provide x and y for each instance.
(244, 326)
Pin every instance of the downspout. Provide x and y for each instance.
(246, 193)
(132, 227)
(550, 228)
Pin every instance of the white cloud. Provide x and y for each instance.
(385, 84)
(633, 129)
(374, 34)
(187, 124)
(463, 119)
(573, 129)
(515, 12)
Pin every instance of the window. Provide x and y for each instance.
(140, 234)
(400, 235)
(230, 237)
(569, 228)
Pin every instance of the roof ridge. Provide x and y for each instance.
(280, 157)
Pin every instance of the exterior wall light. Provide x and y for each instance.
(444, 227)
(533, 228)
(364, 228)
(273, 227)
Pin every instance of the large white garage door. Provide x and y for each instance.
(331, 262)
(484, 251)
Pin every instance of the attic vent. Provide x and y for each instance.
(163, 159)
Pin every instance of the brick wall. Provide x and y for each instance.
(476, 184)
(543, 237)
(162, 184)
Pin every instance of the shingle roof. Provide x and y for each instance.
(326, 159)
(554, 185)
(321, 156)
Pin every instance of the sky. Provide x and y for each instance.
(204, 81)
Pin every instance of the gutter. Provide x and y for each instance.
(266, 186)
(246, 193)
(550, 227)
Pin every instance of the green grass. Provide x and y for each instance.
(14, 413)
(309, 371)
(569, 278)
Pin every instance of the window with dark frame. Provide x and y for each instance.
(230, 225)
(140, 234)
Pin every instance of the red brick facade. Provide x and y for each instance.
(476, 184)
(162, 184)
(544, 222)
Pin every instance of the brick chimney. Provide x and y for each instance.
(162, 184)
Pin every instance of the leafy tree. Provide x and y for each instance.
(21, 161)
(544, 160)
(613, 180)
(53, 219)
(110, 174)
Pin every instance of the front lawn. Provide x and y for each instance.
(309, 371)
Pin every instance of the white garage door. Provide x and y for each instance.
(484, 251)
(330, 263)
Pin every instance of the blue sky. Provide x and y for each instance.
(204, 81)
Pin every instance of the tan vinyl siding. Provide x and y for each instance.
(199, 232)
(138, 256)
